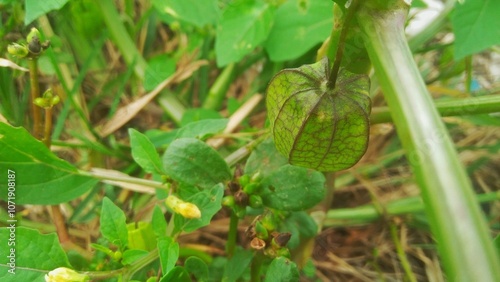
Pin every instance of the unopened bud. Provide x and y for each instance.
(55, 100)
(63, 274)
(186, 209)
(33, 33)
(41, 102)
(17, 50)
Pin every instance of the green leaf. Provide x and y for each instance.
(292, 188)
(237, 265)
(158, 222)
(159, 68)
(129, 256)
(314, 125)
(178, 274)
(301, 225)
(298, 26)
(202, 129)
(41, 177)
(209, 203)
(36, 8)
(141, 236)
(144, 152)
(196, 114)
(113, 224)
(418, 4)
(168, 251)
(35, 254)
(282, 270)
(198, 268)
(193, 162)
(244, 25)
(264, 159)
(476, 26)
(160, 138)
(196, 12)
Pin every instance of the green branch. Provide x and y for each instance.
(452, 107)
(457, 223)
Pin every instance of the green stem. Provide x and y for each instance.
(121, 37)
(456, 220)
(468, 74)
(416, 42)
(127, 271)
(340, 49)
(48, 127)
(455, 107)
(257, 261)
(35, 93)
(232, 234)
(140, 263)
(218, 91)
(128, 179)
(369, 213)
(401, 253)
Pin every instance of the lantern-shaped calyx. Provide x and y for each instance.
(314, 125)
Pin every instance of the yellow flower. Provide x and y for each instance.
(63, 274)
(186, 209)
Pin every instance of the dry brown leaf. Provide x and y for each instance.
(9, 64)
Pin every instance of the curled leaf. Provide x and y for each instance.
(314, 125)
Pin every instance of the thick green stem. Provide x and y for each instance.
(35, 93)
(457, 223)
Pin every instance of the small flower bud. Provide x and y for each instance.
(252, 188)
(244, 180)
(255, 201)
(63, 274)
(261, 231)
(117, 255)
(187, 210)
(55, 100)
(33, 32)
(257, 177)
(17, 50)
(41, 102)
(228, 201)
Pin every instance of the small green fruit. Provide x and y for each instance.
(252, 188)
(255, 201)
(244, 180)
(228, 201)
